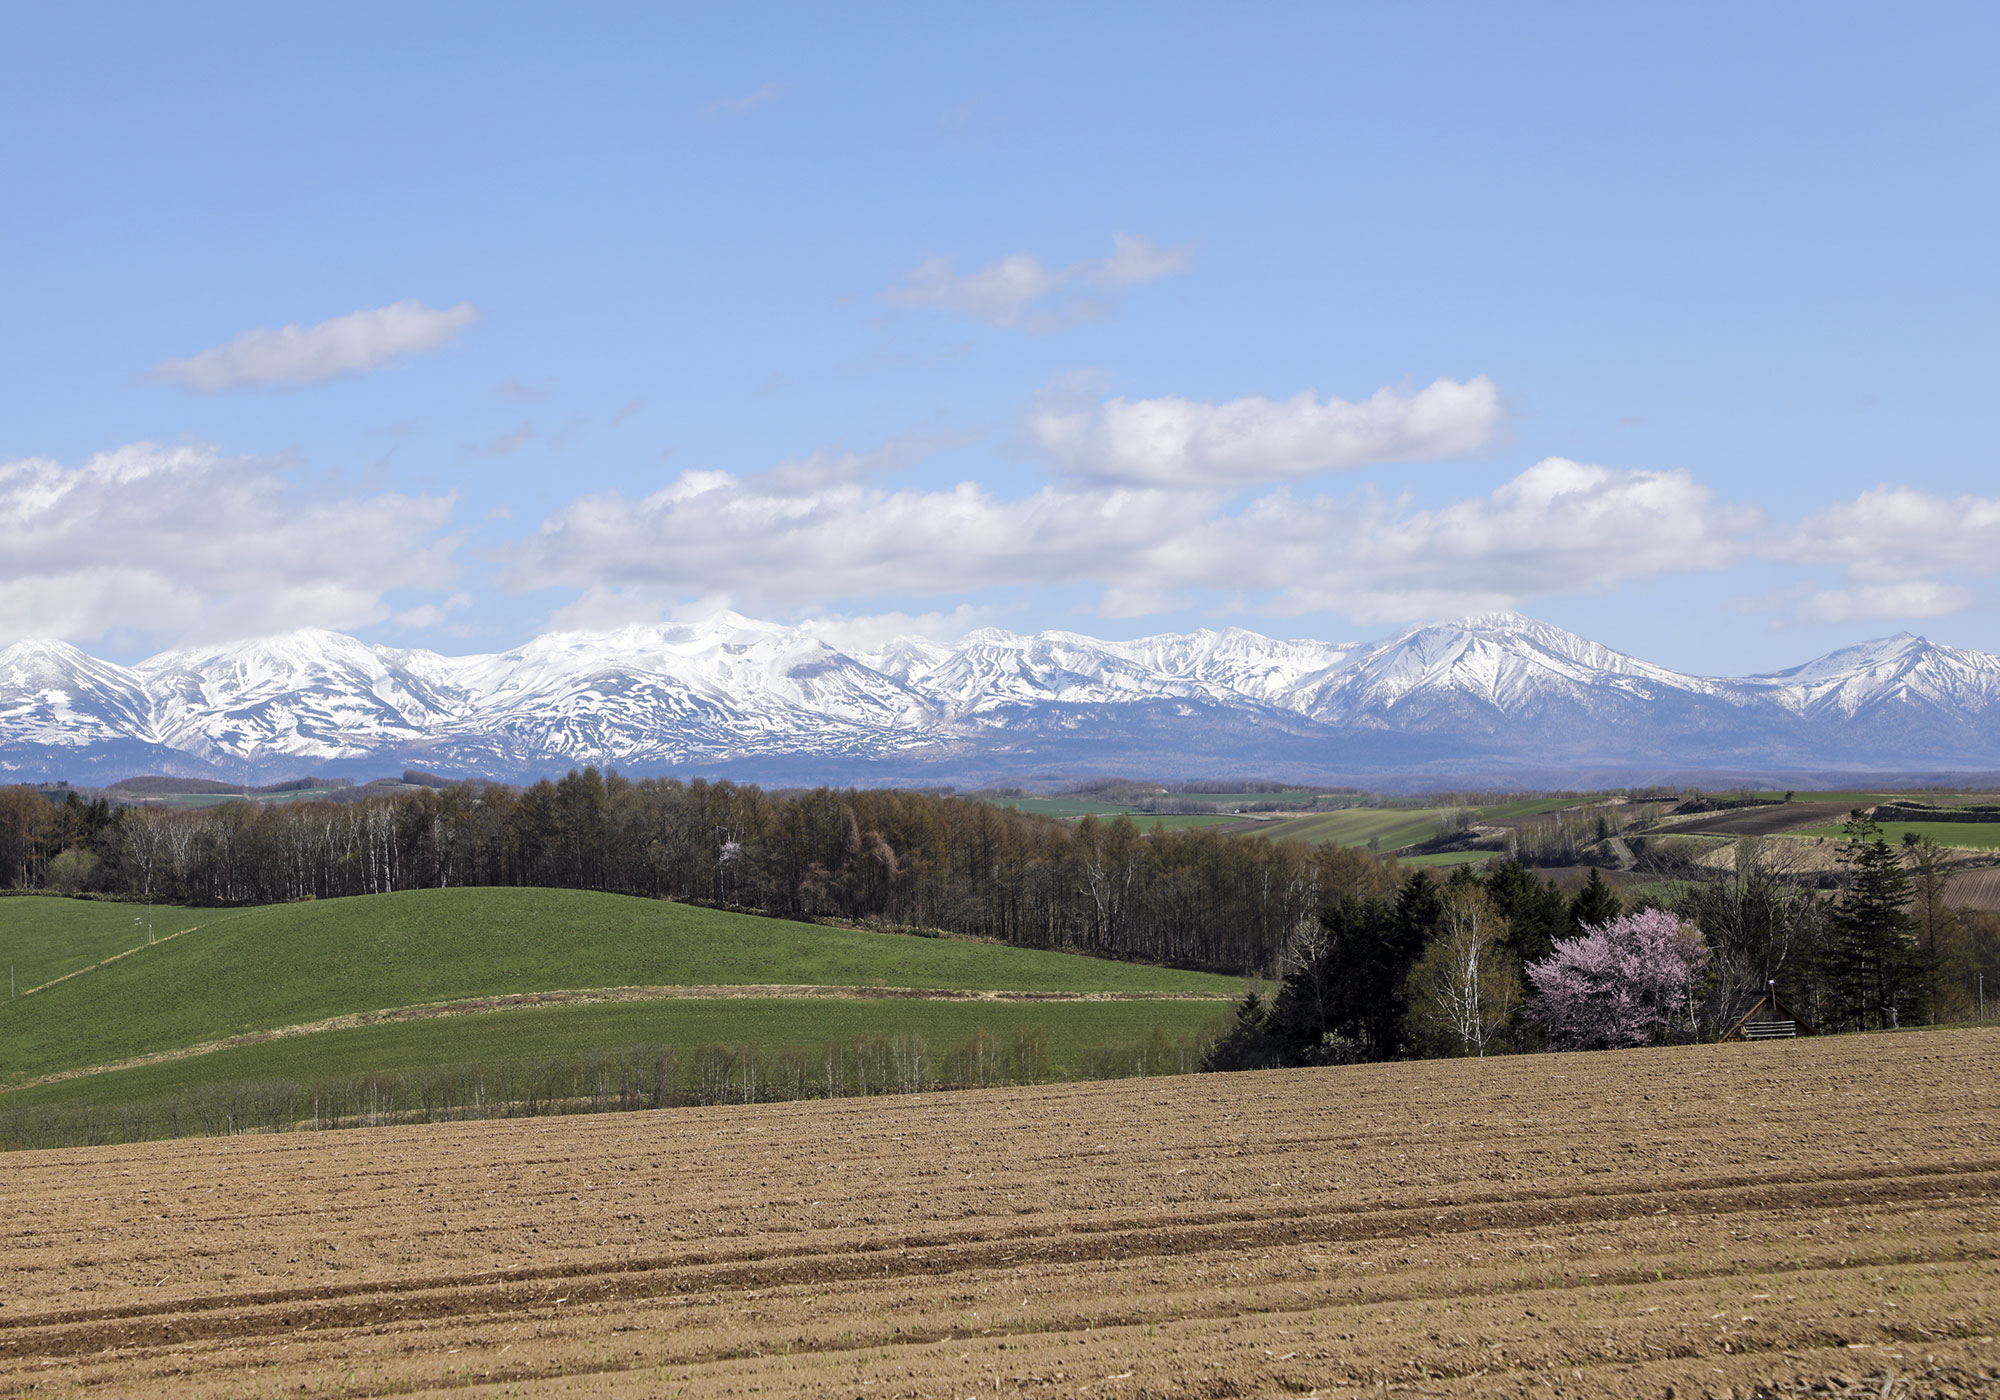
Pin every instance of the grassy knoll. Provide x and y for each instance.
(282, 965)
(565, 1032)
(45, 937)
(1977, 836)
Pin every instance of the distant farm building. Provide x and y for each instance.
(1761, 1016)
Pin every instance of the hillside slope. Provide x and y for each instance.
(286, 965)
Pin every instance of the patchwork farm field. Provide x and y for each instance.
(1787, 817)
(1070, 808)
(1789, 1218)
(1389, 827)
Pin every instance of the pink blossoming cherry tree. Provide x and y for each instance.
(1630, 981)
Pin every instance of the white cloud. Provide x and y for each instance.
(1175, 441)
(520, 391)
(599, 608)
(352, 344)
(1020, 290)
(1559, 527)
(1869, 602)
(866, 632)
(1902, 551)
(829, 467)
(187, 545)
(432, 614)
(1139, 602)
(749, 101)
(1894, 532)
(500, 445)
(712, 530)
(1135, 259)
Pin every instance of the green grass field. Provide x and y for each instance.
(1066, 807)
(43, 938)
(1977, 836)
(1357, 826)
(259, 969)
(1869, 799)
(1450, 858)
(216, 799)
(563, 1032)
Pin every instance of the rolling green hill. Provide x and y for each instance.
(284, 965)
(43, 937)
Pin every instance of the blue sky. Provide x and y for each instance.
(1676, 328)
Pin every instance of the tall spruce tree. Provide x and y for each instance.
(1875, 972)
(1537, 914)
(1596, 904)
(1345, 995)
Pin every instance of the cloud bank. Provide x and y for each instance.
(1558, 527)
(1175, 441)
(187, 545)
(352, 344)
(1905, 553)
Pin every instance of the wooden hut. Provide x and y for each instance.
(1761, 1016)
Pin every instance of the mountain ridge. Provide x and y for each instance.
(1480, 696)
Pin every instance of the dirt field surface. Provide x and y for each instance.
(1788, 1218)
(1763, 821)
(1974, 889)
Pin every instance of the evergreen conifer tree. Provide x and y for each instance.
(1537, 914)
(1875, 972)
(1596, 904)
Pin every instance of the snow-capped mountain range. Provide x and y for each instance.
(1477, 698)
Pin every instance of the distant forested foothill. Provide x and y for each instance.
(1373, 961)
(888, 857)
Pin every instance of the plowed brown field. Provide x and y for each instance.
(1974, 889)
(1763, 821)
(1755, 1219)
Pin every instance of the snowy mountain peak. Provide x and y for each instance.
(38, 657)
(730, 689)
(1868, 675)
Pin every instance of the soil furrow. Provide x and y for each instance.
(1602, 1224)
